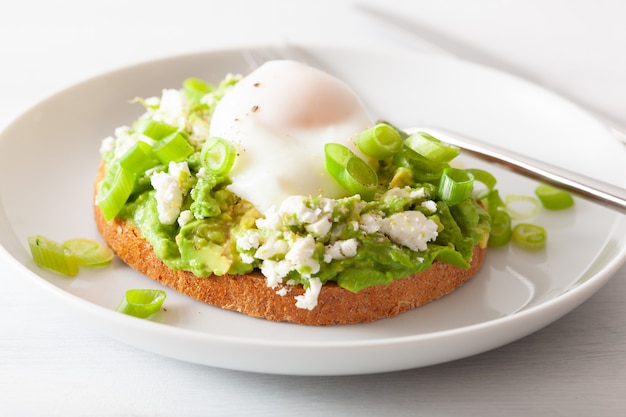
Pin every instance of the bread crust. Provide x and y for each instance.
(249, 294)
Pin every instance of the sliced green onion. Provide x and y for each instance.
(138, 159)
(218, 155)
(529, 236)
(422, 169)
(337, 157)
(513, 200)
(141, 303)
(354, 174)
(172, 148)
(112, 197)
(380, 141)
(431, 148)
(501, 230)
(89, 252)
(154, 129)
(195, 89)
(455, 186)
(486, 179)
(552, 198)
(52, 255)
(360, 178)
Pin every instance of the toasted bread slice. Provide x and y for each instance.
(249, 294)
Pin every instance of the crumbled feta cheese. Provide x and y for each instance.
(275, 271)
(301, 255)
(418, 193)
(321, 227)
(271, 220)
(309, 299)
(370, 223)
(410, 228)
(169, 191)
(250, 240)
(172, 108)
(294, 210)
(107, 145)
(271, 248)
(184, 217)
(341, 249)
(430, 205)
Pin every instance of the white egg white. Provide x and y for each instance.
(279, 117)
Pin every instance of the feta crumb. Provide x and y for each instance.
(172, 108)
(275, 271)
(169, 192)
(271, 248)
(282, 292)
(250, 240)
(294, 209)
(321, 227)
(107, 145)
(430, 205)
(184, 217)
(410, 228)
(341, 249)
(309, 299)
(301, 255)
(370, 223)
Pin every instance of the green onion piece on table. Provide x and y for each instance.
(218, 155)
(380, 141)
(141, 303)
(532, 205)
(552, 198)
(529, 236)
(52, 255)
(89, 252)
(456, 185)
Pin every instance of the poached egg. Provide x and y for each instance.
(279, 117)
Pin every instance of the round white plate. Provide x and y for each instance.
(48, 158)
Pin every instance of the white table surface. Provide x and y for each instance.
(52, 364)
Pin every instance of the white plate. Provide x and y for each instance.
(48, 158)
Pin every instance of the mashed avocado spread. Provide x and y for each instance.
(158, 178)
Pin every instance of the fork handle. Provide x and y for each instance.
(609, 195)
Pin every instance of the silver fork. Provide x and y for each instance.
(611, 196)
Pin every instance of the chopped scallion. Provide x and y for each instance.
(501, 230)
(486, 179)
(431, 148)
(354, 174)
(172, 148)
(52, 255)
(513, 201)
(89, 252)
(154, 129)
(112, 197)
(195, 89)
(455, 186)
(138, 159)
(218, 155)
(141, 303)
(552, 198)
(529, 236)
(380, 141)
